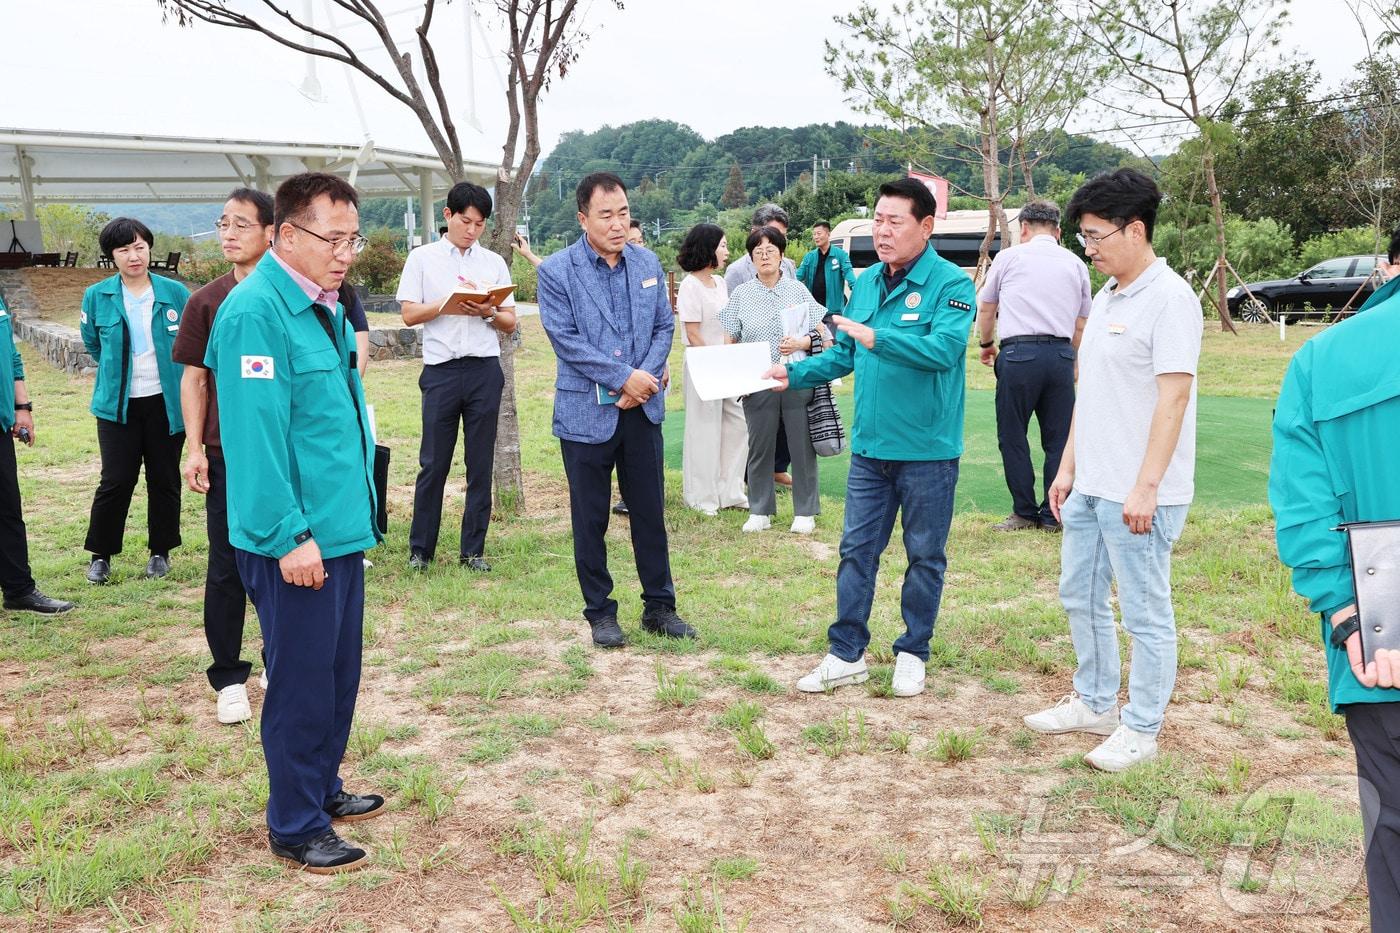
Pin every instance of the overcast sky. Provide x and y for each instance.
(111, 66)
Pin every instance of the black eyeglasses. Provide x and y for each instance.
(356, 243)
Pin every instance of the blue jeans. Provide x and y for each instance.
(921, 492)
(1097, 550)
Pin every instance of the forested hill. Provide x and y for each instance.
(674, 168)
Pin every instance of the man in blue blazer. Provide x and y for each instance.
(603, 304)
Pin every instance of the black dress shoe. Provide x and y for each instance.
(608, 634)
(351, 808)
(663, 620)
(37, 602)
(157, 567)
(476, 562)
(324, 855)
(620, 508)
(417, 561)
(99, 571)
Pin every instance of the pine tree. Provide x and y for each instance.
(734, 195)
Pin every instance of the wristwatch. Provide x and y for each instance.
(1344, 630)
(987, 344)
(488, 320)
(24, 406)
(302, 538)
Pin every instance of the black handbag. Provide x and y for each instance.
(1375, 571)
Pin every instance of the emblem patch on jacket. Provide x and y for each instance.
(257, 367)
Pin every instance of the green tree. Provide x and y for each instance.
(734, 194)
(1182, 60)
(928, 66)
(1283, 157)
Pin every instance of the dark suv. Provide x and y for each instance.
(1319, 292)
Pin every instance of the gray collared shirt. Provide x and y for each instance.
(1039, 287)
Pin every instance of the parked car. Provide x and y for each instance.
(1320, 291)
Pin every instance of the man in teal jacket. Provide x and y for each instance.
(826, 270)
(905, 336)
(16, 422)
(1335, 431)
(301, 506)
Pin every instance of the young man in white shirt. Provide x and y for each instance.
(461, 381)
(1127, 474)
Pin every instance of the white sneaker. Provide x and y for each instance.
(1071, 715)
(1123, 749)
(262, 679)
(758, 523)
(803, 524)
(832, 673)
(233, 705)
(908, 675)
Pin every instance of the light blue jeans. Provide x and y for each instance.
(1097, 550)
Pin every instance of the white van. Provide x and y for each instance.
(956, 237)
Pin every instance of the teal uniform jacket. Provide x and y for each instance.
(296, 435)
(910, 386)
(838, 271)
(1384, 293)
(1336, 444)
(107, 336)
(11, 369)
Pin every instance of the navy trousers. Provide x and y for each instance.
(464, 392)
(225, 602)
(1033, 378)
(635, 451)
(312, 641)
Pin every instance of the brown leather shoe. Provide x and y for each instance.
(1015, 523)
(783, 479)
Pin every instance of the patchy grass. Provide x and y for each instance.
(537, 784)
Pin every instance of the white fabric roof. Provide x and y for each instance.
(128, 108)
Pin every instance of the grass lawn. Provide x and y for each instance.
(537, 784)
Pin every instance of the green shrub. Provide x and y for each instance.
(1353, 241)
(378, 268)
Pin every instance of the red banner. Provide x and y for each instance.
(939, 187)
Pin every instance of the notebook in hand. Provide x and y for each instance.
(1375, 568)
(491, 295)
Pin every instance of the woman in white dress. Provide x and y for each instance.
(716, 439)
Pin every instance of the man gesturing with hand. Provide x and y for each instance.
(604, 307)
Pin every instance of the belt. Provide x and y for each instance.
(1033, 338)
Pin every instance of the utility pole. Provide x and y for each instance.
(658, 229)
(814, 173)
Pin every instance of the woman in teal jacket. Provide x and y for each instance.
(129, 324)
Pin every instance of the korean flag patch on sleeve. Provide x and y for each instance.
(257, 367)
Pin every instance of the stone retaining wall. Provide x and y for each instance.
(63, 347)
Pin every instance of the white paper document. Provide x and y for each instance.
(729, 371)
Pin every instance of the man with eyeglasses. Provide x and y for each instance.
(245, 232)
(301, 506)
(1036, 294)
(1127, 474)
(462, 379)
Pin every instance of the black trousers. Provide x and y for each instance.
(465, 391)
(144, 439)
(1033, 378)
(635, 450)
(225, 601)
(15, 577)
(1375, 734)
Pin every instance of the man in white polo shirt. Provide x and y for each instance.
(461, 381)
(1127, 474)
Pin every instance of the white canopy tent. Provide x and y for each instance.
(130, 109)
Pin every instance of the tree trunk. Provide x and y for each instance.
(1218, 215)
(508, 479)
